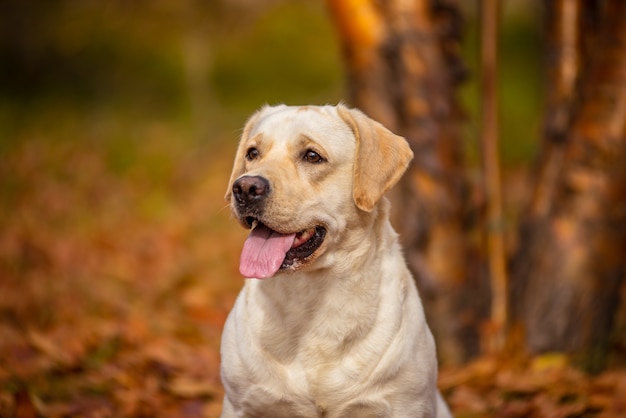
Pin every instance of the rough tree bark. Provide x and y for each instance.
(403, 64)
(572, 253)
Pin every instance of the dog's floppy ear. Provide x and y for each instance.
(381, 158)
(238, 165)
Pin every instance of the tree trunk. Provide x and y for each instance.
(572, 253)
(493, 338)
(403, 67)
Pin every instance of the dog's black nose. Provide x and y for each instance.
(250, 189)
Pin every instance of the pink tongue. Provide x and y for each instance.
(264, 252)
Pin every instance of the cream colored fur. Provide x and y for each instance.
(344, 335)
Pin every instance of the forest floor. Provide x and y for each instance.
(116, 276)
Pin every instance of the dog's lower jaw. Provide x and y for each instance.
(306, 252)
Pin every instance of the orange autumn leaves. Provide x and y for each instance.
(114, 286)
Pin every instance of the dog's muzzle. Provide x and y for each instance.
(268, 250)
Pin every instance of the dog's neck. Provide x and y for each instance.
(294, 300)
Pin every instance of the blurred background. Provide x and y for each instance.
(207, 65)
(118, 124)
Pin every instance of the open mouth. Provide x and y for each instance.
(266, 251)
(304, 245)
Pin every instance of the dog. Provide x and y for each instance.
(330, 323)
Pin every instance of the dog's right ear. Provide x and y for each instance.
(238, 165)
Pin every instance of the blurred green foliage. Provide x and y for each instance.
(290, 55)
(193, 62)
(85, 53)
(520, 70)
(114, 69)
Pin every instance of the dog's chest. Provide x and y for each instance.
(313, 374)
(307, 391)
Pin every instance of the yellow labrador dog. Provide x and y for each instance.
(331, 324)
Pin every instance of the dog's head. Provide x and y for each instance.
(303, 176)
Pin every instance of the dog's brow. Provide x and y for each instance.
(305, 141)
(255, 139)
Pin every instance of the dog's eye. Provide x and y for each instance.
(252, 154)
(313, 157)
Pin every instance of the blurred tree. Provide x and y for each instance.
(403, 66)
(571, 261)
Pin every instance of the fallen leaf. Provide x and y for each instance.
(550, 361)
(469, 400)
(44, 344)
(185, 387)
